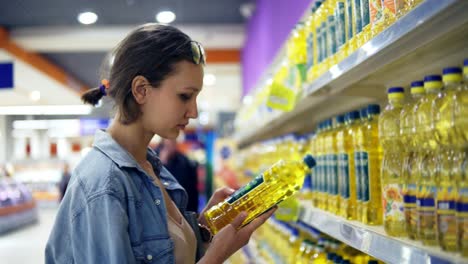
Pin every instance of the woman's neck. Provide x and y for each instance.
(132, 138)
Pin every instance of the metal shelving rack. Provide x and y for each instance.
(373, 240)
(432, 35)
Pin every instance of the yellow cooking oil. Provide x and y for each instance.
(407, 118)
(450, 158)
(358, 146)
(462, 182)
(357, 25)
(350, 26)
(314, 172)
(461, 116)
(327, 195)
(346, 167)
(389, 133)
(332, 47)
(340, 19)
(371, 161)
(426, 183)
(311, 45)
(271, 187)
(322, 173)
(332, 165)
(366, 33)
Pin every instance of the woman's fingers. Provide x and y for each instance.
(237, 222)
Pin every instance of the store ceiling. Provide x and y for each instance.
(50, 28)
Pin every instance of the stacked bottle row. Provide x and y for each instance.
(425, 142)
(279, 242)
(346, 181)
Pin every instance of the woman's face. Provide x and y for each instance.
(173, 103)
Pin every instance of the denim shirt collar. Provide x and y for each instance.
(105, 143)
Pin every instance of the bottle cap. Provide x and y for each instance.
(432, 82)
(396, 90)
(418, 83)
(373, 109)
(452, 75)
(340, 119)
(417, 87)
(353, 115)
(363, 113)
(331, 255)
(450, 70)
(396, 93)
(345, 261)
(372, 261)
(310, 161)
(465, 63)
(432, 78)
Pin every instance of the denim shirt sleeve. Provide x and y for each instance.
(103, 224)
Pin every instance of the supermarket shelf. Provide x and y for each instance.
(373, 240)
(431, 36)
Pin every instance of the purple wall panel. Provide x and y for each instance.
(266, 32)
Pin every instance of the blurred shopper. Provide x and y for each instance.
(63, 184)
(122, 205)
(183, 169)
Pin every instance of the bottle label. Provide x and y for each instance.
(332, 45)
(462, 203)
(349, 20)
(340, 24)
(376, 11)
(246, 189)
(365, 13)
(310, 50)
(319, 43)
(357, 172)
(393, 203)
(324, 40)
(333, 186)
(391, 6)
(281, 97)
(357, 16)
(409, 195)
(343, 161)
(365, 188)
(426, 198)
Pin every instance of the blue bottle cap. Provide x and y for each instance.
(417, 84)
(310, 161)
(449, 70)
(294, 231)
(372, 261)
(353, 115)
(373, 109)
(345, 261)
(338, 259)
(331, 255)
(329, 123)
(363, 112)
(433, 78)
(465, 63)
(396, 90)
(340, 119)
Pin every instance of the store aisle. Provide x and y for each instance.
(27, 245)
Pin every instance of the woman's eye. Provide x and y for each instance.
(185, 97)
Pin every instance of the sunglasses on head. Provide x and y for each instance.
(198, 53)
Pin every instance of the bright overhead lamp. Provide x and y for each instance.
(165, 17)
(209, 79)
(35, 96)
(46, 110)
(87, 18)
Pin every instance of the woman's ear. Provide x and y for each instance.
(140, 87)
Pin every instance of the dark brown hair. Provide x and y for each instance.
(151, 50)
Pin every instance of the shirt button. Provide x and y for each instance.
(157, 202)
(149, 257)
(166, 183)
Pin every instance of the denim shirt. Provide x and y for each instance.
(112, 212)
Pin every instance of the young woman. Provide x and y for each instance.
(122, 205)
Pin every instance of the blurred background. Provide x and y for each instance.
(278, 74)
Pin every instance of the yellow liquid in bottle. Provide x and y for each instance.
(389, 132)
(346, 168)
(450, 157)
(360, 162)
(277, 183)
(461, 126)
(332, 162)
(407, 117)
(366, 33)
(371, 160)
(340, 18)
(426, 184)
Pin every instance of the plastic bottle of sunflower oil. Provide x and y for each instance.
(366, 25)
(389, 133)
(323, 166)
(327, 161)
(332, 47)
(338, 136)
(429, 164)
(340, 19)
(332, 165)
(371, 161)
(314, 174)
(349, 27)
(275, 184)
(461, 125)
(450, 158)
(311, 46)
(407, 117)
(346, 167)
(358, 146)
(357, 24)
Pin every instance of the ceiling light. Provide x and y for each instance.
(209, 79)
(87, 18)
(165, 17)
(35, 96)
(46, 110)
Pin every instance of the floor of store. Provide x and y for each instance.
(27, 244)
